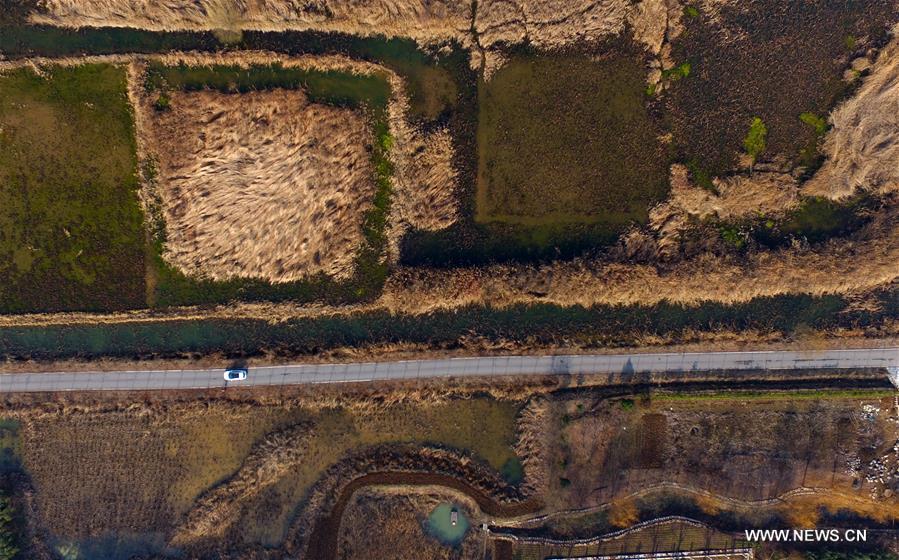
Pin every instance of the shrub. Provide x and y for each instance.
(701, 177)
(755, 139)
(733, 236)
(162, 103)
(691, 11)
(682, 70)
(814, 121)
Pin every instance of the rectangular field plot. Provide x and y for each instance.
(71, 233)
(566, 139)
(272, 182)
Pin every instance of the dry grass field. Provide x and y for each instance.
(262, 184)
(674, 535)
(728, 452)
(243, 473)
(188, 471)
(486, 428)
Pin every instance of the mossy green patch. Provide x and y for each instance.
(814, 121)
(71, 234)
(755, 138)
(10, 445)
(682, 70)
(328, 86)
(567, 139)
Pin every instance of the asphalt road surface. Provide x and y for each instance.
(453, 367)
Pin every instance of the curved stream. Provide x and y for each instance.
(324, 538)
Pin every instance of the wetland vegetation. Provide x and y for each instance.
(563, 138)
(71, 231)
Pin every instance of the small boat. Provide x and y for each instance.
(454, 517)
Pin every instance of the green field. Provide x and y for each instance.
(71, 234)
(568, 139)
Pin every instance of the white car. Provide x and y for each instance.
(236, 374)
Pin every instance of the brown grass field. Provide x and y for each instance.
(728, 452)
(230, 474)
(548, 23)
(675, 535)
(189, 470)
(262, 184)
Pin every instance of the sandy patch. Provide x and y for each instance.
(261, 185)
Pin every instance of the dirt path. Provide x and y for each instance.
(323, 542)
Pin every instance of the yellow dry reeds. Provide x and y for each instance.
(214, 512)
(420, 19)
(868, 261)
(424, 186)
(739, 196)
(486, 24)
(862, 148)
(261, 185)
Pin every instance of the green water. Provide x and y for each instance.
(440, 524)
(432, 87)
(513, 470)
(322, 86)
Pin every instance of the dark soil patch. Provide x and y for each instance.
(652, 440)
(323, 542)
(502, 550)
(774, 60)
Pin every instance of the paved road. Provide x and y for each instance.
(454, 367)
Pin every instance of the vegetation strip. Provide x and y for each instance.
(70, 221)
(538, 324)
